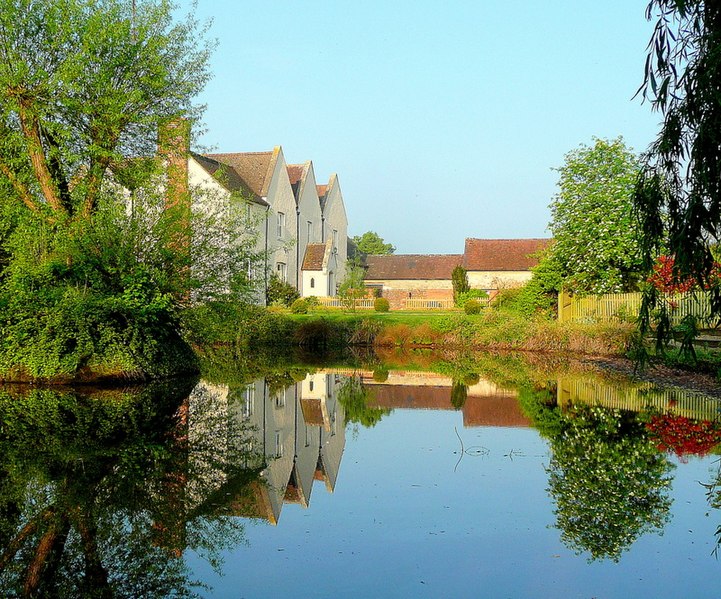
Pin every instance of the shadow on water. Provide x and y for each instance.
(103, 493)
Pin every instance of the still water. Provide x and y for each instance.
(481, 477)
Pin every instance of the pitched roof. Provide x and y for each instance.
(412, 266)
(296, 172)
(502, 254)
(255, 168)
(314, 258)
(227, 176)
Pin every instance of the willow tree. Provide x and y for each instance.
(84, 84)
(678, 197)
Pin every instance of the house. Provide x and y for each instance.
(292, 215)
(401, 277)
(494, 264)
(491, 264)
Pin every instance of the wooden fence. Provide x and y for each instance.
(626, 306)
(336, 302)
(408, 304)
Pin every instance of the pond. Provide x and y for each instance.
(394, 476)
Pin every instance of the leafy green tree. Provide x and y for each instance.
(84, 85)
(597, 246)
(372, 243)
(352, 287)
(459, 279)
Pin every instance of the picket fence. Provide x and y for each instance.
(626, 306)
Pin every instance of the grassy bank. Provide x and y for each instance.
(493, 329)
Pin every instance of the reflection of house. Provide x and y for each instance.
(293, 435)
(485, 404)
(492, 264)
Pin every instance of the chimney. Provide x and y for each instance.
(173, 150)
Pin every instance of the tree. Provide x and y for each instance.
(352, 287)
(84, 285)
(678, 196)
(596, 237)
(459, 279)
(372, 243)
(84, 84)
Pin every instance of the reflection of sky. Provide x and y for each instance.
(404, 521)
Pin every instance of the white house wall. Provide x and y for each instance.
(281, 199)
(309, 207)
(500, 279)
(335, 219)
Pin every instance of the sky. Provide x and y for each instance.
(443, 120)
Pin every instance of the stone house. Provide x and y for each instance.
(492, 264)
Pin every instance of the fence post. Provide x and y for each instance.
(564, 306)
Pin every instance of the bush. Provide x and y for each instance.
(381, 305)
(472, 307)
(471, 294)
(299, 306)
(280, 292)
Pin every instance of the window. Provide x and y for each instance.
(248, 401)
(310, 231)
(281, 224)
(282, 271)
(278, 445)
(280, 400)
(312, 283)
(335, 239)
(310, 385)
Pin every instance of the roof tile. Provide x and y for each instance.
(412, 266)
(502, 254)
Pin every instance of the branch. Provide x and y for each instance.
(31, 131)
(20, 187)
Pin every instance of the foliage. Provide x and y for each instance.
(280, 292)
(596, 245)
(85, 85)
(472, 307)
(352, 287)
(665, 277)
(471, 294)
(540, 294)
(381, 304)
(609, 481)
(353, 396)
(678, 198)
(100, 297)
(459, 280)
(299, 306)
(373, 244)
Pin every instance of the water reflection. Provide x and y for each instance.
(106, 493)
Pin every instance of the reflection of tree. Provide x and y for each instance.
(92, 495)
(353, 396)
(609, 481)
(459, 394)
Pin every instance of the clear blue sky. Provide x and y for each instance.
(442, 120)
